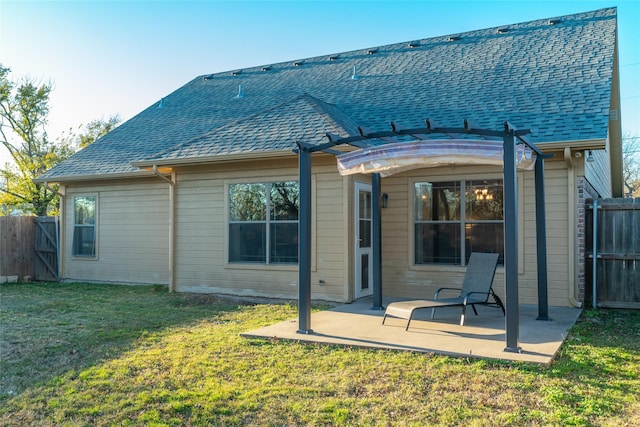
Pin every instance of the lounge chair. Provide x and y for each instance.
(476, 289)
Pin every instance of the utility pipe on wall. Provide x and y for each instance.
(172, 258)
(571, 191)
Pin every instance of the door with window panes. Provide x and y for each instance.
(363, 248)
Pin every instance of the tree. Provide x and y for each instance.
(89, 133)
(631, 165)
(24, 108)
(23, 113)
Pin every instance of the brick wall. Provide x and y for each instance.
(585, 191)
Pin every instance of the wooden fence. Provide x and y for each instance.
(17, 236)
(46, 248)
(617, 254)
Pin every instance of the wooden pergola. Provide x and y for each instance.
(511, 137)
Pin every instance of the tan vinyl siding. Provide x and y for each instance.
(202, 241)
(598, 172)
(556, 194)
(401, 278)
(132, 233)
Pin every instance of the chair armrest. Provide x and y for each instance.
(468, 294)
(445, 289)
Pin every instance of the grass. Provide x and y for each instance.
(80, 354)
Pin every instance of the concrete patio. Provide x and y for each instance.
(482, 336)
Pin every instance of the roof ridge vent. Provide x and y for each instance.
(333, 57)
(372, 51)
(240, 93)
(502, 30)
(453, 38)
(354, 76)
(209, 77)
(554, 21)
(413, 44)
(298, 63)
(266, 68)
(236, 73)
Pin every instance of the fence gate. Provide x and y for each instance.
(46, 248)
(617, 253)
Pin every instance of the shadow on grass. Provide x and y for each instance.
(50, 329)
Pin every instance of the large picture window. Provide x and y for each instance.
(454, 218)
(263, 222)
(84, 226)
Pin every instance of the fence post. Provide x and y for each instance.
(594, 252)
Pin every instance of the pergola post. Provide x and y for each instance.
(541, 241)
(511, 242)
(376, 220)
(304, 243)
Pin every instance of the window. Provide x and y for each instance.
(263, 222)
(454, 218)
(84, 226)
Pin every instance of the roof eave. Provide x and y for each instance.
(198, 160)
(583, 144)
(94, 177)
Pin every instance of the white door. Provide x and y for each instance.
(363, 228)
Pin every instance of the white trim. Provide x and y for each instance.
(264, 266)
(358, 292)
(455, 178)
(96, 227)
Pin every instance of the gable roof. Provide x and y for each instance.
(551, 76)
(304, 118)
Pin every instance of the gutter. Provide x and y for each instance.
(72, 178)
(199, 160)
(48, 187)
(172, 228)
(577, 145)
(571, 188)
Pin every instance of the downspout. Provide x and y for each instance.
(172, 257)
(571, 222)
(59, 233)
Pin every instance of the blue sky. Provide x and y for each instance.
(119, 57)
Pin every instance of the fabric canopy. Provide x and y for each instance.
(398, 157)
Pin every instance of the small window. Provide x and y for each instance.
(263, 222)
(454, 218)
(84, 226)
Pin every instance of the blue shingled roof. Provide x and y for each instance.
(304, 118)
(554, 79)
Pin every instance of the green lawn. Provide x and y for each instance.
(79, 354)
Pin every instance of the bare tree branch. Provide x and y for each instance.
(631, 165)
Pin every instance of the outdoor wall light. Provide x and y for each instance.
(590, 158)
(385, 197)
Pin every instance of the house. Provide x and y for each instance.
(200, 191)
